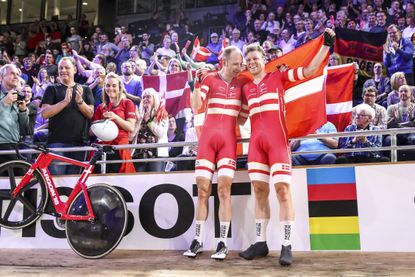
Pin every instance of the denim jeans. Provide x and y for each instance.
(66, 169)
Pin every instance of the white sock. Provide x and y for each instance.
(223, 231)
(286, 231)
(199, 230)
(261, 229)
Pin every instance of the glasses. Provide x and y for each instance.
(370, 95)
(362, 115)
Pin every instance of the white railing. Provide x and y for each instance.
(393, 148)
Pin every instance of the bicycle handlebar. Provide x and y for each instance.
(39, 147)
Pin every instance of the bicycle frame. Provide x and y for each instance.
(42, 163)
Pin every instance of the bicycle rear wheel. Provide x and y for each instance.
(93, 240)
(28, 206)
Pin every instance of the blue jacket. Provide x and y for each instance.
(401, 60)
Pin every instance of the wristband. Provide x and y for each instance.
(80, 102)
(23, 111)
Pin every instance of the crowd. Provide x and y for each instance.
(71, 74)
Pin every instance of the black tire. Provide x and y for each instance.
(93, 240)
(29, 205)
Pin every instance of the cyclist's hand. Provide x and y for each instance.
(79, 93)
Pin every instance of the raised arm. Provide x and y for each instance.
(313, 67)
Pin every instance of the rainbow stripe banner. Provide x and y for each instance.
(332, 205)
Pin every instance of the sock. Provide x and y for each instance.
(261, 229)
(199, 230)
(223, 233)
(286, 231)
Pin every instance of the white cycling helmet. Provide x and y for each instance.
(105, 130)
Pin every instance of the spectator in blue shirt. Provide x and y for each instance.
(214, 47)
(315, 145)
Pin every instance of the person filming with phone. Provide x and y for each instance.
(13, 111)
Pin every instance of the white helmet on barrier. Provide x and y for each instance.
(105, 130)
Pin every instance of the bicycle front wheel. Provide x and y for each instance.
(93, 240)
(29, 204)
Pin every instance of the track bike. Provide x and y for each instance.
(94, 216)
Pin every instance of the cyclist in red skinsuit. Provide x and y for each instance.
(221, 93)
(269, 158)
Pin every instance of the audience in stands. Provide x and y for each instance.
(278, 25)
(362, 121)
(316, 145)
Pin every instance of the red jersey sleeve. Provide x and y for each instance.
(244, 113)
(98, 113)
(129, 109)
(292, 75)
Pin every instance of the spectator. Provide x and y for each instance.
(26, 133)
(380, 23)
(28, 71)
(393, 13)
(188, 151)
(75, 40)
(214, 47)
(236, 41)
(111, 67)
(50, 65)
(275, 52)
(141, 64)
(131, 83)
(287, 42)
(146, 47)
(68, 106)
(371, 23)
(270, 23)
(369, 98)
(397, 80)
(174, 135)
(309, 33)
(40, 83)
(123, 34)
(153, 122)
(334, 59)
(14, 113)
(123, 53)
(83, 26)
(116, 107)
(410, 29)
(97, 85)
(362, 122)
(103, 41)
(380, 82)
(402, 115)
(165, 50)
(398, 54)
(314, 145)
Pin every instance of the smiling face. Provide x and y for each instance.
(66, 71)
(232, 64)
(112, 88)
(255, 62)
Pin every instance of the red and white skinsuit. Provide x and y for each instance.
(217, 143)
(269, 151)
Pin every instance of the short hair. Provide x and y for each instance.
(228, 51)
(255, 47)
(70, 59)
(367, 109)
(5, 68)
(370, 89)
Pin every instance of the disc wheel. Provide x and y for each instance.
(93, 240)
(29, 204)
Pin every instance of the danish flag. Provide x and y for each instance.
(199, 53)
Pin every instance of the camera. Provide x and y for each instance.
(20, 96)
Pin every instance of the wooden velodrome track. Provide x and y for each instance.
(33, 262)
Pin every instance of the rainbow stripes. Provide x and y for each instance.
(332, 205)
